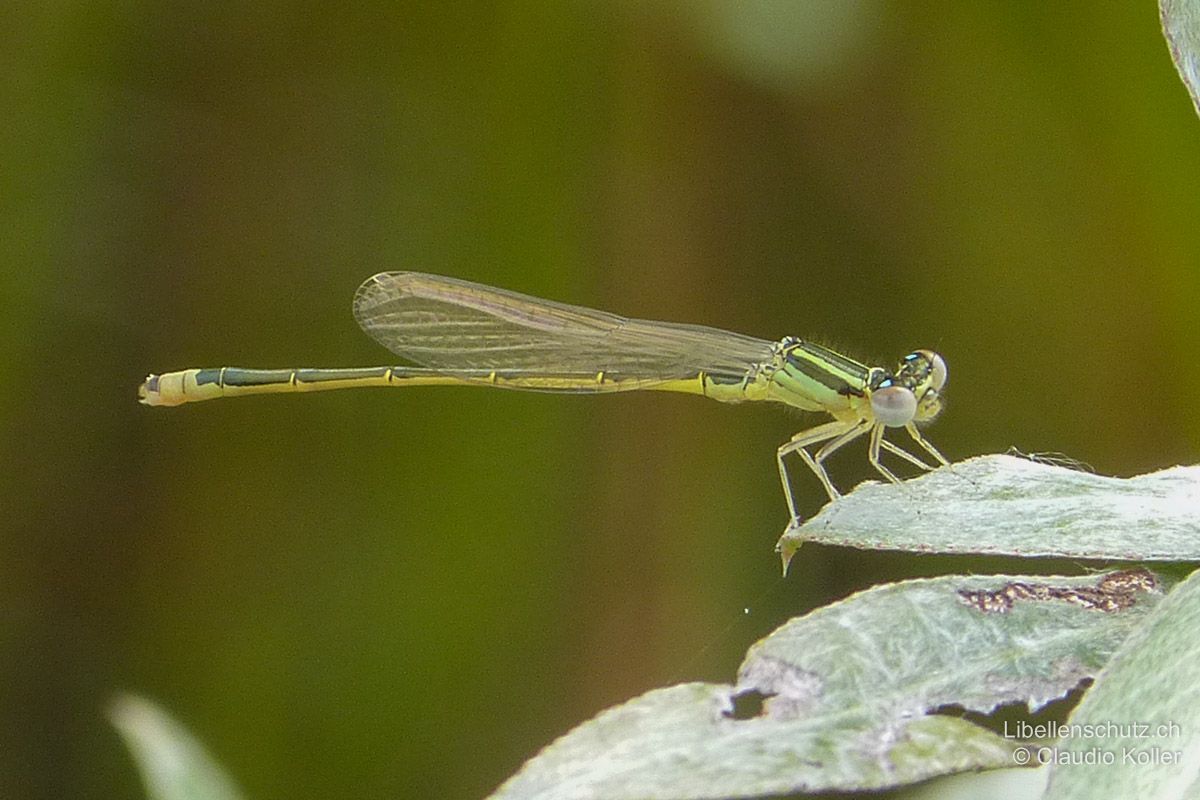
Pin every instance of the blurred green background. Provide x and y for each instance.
(386, 594)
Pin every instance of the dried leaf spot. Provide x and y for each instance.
(1113, 592)
(1129, 580)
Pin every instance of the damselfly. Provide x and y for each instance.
(457, 332)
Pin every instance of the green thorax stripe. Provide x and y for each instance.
(827, 367)
(823, 376)
(832, 371)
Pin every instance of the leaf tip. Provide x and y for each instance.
(787, 547)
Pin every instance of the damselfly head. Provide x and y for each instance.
(913, 393)
(925, 372)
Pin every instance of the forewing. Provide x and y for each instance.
(463, 328)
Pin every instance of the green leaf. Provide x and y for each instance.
(1001, 504)
(173, 764)
(1145, 713)
(996, 784)
(840, 699)
(1181, 26)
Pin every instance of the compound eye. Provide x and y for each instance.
(894, 406)
(937, 369)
